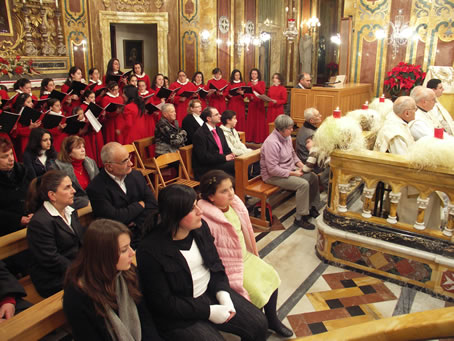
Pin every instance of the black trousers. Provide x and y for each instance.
(249, 323)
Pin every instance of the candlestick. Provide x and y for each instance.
(41, 2)
(438, 133)
(382, 99)
(365, 105)
(337, 113)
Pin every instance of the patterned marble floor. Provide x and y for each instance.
(315, 297)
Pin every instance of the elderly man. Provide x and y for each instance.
(121, 193)
(425, 121)
(211, 150)
(439, 111)
(280, 166)
(395, 137)
(304, 81)
(312, 120)
(168, 135)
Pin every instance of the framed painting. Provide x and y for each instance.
(6, 26)
(132, 52)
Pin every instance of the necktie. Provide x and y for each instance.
(218, 141)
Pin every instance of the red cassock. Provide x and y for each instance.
(144, 77)
(68, 107)
(215, 100)
(151, 119)
(278, 93)
(182, 107)
(256, 120)
(4, 94)
(110, 124)
(93, 140)
(130, 124)
(236, 103)
(203, 100)
(58, 135)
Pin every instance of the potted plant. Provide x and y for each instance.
(16, 67)
(402, 78)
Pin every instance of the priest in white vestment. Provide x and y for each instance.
(440, 112)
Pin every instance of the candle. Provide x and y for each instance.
(41, 2)
(56, 3)
(438, 133)
(337, 113)
(382, 99)
(365, 105)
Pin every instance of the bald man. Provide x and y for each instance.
(425, 121)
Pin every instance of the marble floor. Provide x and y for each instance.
(315, 297)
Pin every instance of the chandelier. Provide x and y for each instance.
(291, 33)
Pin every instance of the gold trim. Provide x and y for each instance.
(10, 23)
(161, 19)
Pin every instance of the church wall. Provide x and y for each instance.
(433, 22)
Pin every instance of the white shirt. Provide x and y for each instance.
(198, 119)
(120, 181)
(53, 212)
(43, 158)
(199, 272)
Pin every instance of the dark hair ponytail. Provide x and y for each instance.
(39, 188)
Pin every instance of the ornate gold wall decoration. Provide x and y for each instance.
(106, 3)
(158, 3)
(133, 5)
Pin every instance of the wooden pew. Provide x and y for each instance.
(254, 187)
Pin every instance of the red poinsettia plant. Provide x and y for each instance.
(16, 66)
(402, 78)
(332, 67)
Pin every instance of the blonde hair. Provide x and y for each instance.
(68, 144)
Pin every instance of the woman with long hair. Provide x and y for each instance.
(109, 128)
(113, 69)
(138, 71)
(22, 86)
(183, 280)
(181, 103)
(236, 99)
(54, 233)
(256, 130)
(229, 223)
(102, 299)
(47, 86)
(74, 75)
(40, 154)
(94, 79)
(278, 93)
(132, 125)
(80, 168)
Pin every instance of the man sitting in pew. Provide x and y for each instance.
(11, 293)
(281, 167)
(121, 193)
(13, 189)
(210, 148)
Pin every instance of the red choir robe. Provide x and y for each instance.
(110, 124)
(57, 134)
(236, 103)
(256, 130)
(130, 124)
(203, 100)
(215, 100)
(144, 77)
(68, 107)
(278, 93)
(94, 141)
(151, 118)
(182, 107)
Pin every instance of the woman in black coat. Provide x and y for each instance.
(54, 233)
(40, 154)
(183, 279)
(102, 300)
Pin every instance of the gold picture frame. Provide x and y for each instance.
(6, 25)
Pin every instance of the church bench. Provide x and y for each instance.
(254, 187)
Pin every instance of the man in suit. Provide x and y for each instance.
(304, 81)
(121, 193)
(211, 150)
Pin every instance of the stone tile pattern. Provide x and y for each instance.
(348, 303)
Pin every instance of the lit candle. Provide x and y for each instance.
(41, 2)
(337, 113)
(438, 133)
(382, 99)
(366, 105)
(56, 3)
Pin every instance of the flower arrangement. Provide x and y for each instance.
(16, 66)
(402, 78)
(332, 67)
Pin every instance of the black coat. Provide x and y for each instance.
(167, 282)
(109, 201)
(12, 199)
(191, 126)
(205, 154)
(9, 285)
(34, 167)
(86, 324)
(53, 247)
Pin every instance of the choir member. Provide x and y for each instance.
(94, 78)
(40, 154)
(216, 98)
(3, 92)
(47, 86)
(132, 80)
(93, 140)
(256, 123)
(113, 69)
(131, 125)
(58, 134)
(199, 82)
(151, 118)
(278, 93)
(74, 74)
(181, 103)
(166, 82)
(140, 74)
(22, 86)
(236, 102)
(109, 126)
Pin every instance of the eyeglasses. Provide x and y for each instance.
(124, 162)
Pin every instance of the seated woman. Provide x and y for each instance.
(54, 233)
(40, 154)
(192, 122)
(229, 223)
(168, 136)
(183, 279)
(13, 189)
(107, 306)
(80, 168)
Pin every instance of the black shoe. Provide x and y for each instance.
(313, 212)
(282, 330)
(304, 223)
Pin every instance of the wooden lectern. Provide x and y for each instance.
(349, 97)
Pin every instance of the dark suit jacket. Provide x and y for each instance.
(167, 282)
(53, 247)
(205, 154)
(109, 201)
(191, 126)
(34, 167)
